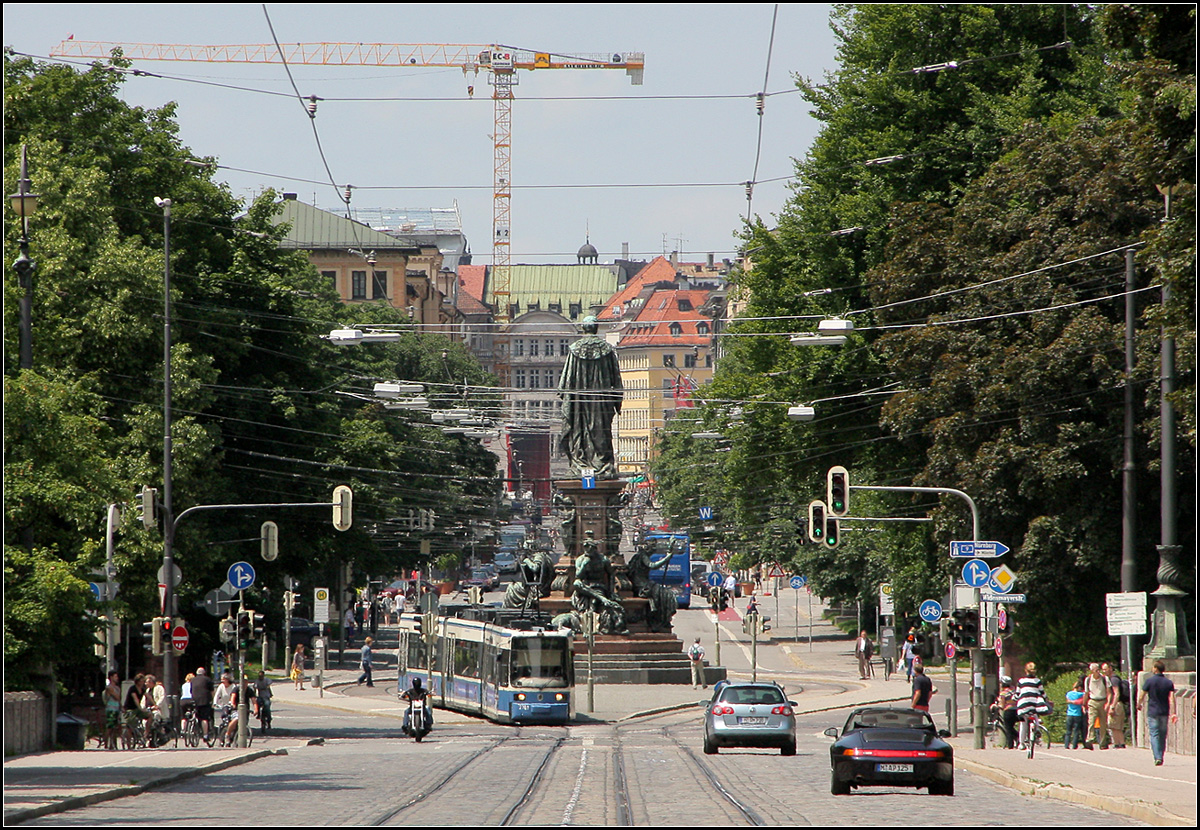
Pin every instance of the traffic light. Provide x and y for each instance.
(343, 504)
(269, 541)
(257, 625)
(956, 627)
(816, 521)
(832, 537)
(431, 626)
(243, 628)
(419, 625)
(838, 491)
(148, 507)
(764, 623)
(970, 629)
(154, 630)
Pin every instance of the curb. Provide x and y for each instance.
(75, 802)
(1138, 810)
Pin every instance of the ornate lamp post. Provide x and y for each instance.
(25, 203)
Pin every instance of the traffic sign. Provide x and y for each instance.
(950, 651)
(886, 606)
(176, 575)
(930, 610)
(776, 572)
(976, 573)
(241, 575)
(706, 514)
(977, 550)
(1002, 618)
(714, 579)
(986, 596)
(320, 605)
(588, 478)
(999, 647)
(179, 639)
(1002, 579)
(799, 582)
(1128, 599)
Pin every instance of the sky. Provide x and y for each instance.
(658, 166)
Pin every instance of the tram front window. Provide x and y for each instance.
(540, 664)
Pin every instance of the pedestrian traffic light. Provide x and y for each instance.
(838, 491)
(816, 521)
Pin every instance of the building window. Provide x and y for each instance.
(534, 379)
(669, 360)
(548, 379)
(358, 285)
(702, 328)
(518, 347)
(564, 347)
(676, 330)
(689, 360)
(519, 378)
(379, 285)
(576, 310)
(533, 347)
(332, 277)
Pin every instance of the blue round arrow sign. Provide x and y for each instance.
(241, 575)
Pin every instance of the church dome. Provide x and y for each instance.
(588, 253)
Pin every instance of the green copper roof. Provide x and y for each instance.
(587, 285)
(316, 229)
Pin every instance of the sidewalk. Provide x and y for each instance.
(1124, 782)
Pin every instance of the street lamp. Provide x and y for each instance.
(24, 203)
(347, 337)
(831, 332)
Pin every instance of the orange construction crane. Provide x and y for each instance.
(501, 62)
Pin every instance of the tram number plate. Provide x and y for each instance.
(752, 721)
(893, 767)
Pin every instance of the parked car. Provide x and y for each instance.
(885, 747)
(303, 631)
(749, 714)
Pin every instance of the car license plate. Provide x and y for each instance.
(893, 767)
(752, 721)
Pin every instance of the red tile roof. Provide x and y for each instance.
(652, 324)
(659, 269)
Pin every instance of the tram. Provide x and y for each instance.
(494, 662)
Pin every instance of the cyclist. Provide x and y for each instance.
(135, 709)
(1031, 701)
(1004, 710)
(262, 688)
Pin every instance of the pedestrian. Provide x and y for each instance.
(400, 604)
(696, 656)
(730, 586)
(1158, 698)
(112, 710)
(752, 605)
(298, 667)
(863, 649)
(1031, 700)
(922, 689)
(1076, 721)
(1096, 686)
(1006, 706)
(908, 654)
(1117, 700)
(348, 623)
(365, 663)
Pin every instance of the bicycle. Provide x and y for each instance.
(994, 729)
(192, 731)
(264, 716)
(1037, 732)
(223, 730)
(133, 733)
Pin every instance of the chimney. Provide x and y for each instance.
(624, 250)
(289, 197)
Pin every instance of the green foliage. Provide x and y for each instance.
(258, 414)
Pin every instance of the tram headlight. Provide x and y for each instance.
(560, 697)
(520, 695)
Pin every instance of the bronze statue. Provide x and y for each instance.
(594, 589)
(537, 572)
(662, 600)
(591, 392)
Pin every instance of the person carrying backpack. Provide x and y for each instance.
(696, 656)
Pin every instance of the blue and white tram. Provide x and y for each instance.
(487, 662)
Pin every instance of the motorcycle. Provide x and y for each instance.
(418, 722)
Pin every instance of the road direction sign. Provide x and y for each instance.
(241, 575)
(930, 610)
(799, 582)
(976, 573)
(977, 550)
(1128, 599)
(1002, 579)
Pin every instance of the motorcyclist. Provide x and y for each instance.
(417, 694)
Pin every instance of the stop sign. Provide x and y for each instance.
(179, 639)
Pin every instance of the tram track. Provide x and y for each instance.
(440, 785)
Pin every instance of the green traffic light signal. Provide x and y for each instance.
(838, 491)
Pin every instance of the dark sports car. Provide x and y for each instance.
(891, 748)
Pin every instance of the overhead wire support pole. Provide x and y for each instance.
(976, 653)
